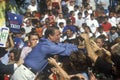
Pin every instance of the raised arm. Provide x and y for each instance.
(60, 71)
(90, 51)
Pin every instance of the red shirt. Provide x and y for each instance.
(73, 19)
(106, 27)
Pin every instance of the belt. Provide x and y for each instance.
(32, 70)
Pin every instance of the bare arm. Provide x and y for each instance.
(60, 71)
(90, 51)
(11, 40)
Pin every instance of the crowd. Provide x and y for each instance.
(64, 40)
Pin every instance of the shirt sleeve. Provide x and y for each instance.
(63, 49)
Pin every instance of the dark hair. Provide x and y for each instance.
(75, 78)
(50, 31)
(32, 33)
(76, 6)
(16, 53)
(71, 12)
(102, 37)
(113, 28)
(61, 23)
(79, 13)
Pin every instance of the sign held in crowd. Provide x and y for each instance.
(15, 22)
(4, 31)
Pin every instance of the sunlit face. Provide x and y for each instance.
(33, 40)
(60, 16)
(99, 42)
(69, 33)
(56, 37)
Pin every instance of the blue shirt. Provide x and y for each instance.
(37, 58)
(71, 27)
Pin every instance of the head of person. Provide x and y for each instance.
(33, 38)
(92, 16)
(100, 40)
(61, 24)
(72, 2)
(76, 7)
(60, 15)
(115, 49)
(69, 32)
(86, 13)
(105, 19)
(79, 15)
(75, 78)
(77, 62)
(72, 13)
(33, 2)
(113, 30)
(87, 29)
(53, 34)
(100, 29)
(14, 55)
(69, 22)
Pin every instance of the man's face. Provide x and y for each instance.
(99, 42)
(69, 33)
(56, 37)
(11, 56)
(34, 40)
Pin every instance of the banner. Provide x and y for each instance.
(15, 22)
(2, 13)
(4, 31)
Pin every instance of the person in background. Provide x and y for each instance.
(33, 6)
(13, 62)
(113, 34)
(33, 40)
(18, 40)
(106, 25)
(9, 46)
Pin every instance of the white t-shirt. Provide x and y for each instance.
(93, 24)
(32, 8)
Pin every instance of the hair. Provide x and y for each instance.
(76, 6)
(75, 78)
(77, 62)
(50, 31)
(71, 12)
(61, 23)
(32, 33)
(16, 53)
(102, 37)
(79, 13)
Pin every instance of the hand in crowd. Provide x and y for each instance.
(52, 61)
(94, 46)
(92, 76)
(85, 36)
(106, 51)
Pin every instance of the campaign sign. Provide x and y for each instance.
(4, 31)
(15, 22)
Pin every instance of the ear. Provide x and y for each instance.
(50, 37)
